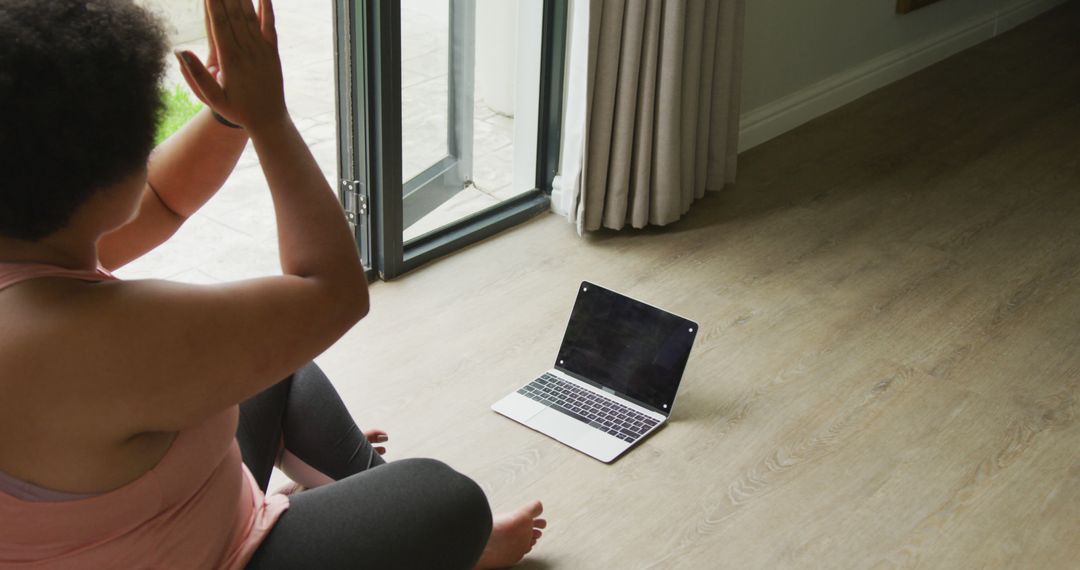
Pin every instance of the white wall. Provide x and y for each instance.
(496, 54)
(802, 59)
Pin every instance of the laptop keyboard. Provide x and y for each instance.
(587, 406)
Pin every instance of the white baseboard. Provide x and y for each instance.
(773, 119)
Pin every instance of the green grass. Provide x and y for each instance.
(180, 107)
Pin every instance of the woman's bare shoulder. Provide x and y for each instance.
(164, 355)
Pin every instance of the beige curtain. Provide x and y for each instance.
(662, 109)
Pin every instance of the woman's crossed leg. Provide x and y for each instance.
(413, 513)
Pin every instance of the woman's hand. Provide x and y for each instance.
(249, 89)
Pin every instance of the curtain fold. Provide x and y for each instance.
(661, 109)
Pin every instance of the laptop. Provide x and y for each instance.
(615, 377)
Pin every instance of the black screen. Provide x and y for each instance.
(625, 345)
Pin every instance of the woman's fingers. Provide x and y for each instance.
(250, 21)
(249, 11)
(221, 28)
(251, 86)
(238, 20)
(267, 22)
(200, 80)
(211, 45)
(189, 79)
(244, 25)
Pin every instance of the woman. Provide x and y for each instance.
(119, 415)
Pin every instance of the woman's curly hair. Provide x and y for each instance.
(79, 105)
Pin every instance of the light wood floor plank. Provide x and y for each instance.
(887, 370)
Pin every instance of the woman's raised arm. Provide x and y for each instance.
(175, 353)
(184, 172)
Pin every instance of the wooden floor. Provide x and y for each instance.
(888, 368)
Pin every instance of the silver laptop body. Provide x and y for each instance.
(615, 378)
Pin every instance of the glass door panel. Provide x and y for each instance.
(470, 95)
(425, 86)
(436, 94)
(449, 116)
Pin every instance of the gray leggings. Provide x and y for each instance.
(413, 513)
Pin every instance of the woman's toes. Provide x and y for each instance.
(376, 435)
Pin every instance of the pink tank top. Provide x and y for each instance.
(199, 507)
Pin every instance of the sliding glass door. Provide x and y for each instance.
(449, 115)
(437, 51)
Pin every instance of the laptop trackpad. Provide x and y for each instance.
(558, 425)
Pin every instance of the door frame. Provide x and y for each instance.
(350, 96)
(373, 141)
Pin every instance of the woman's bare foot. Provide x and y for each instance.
(290, 488)
(513, 535)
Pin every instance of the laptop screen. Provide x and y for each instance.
(631, 348)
